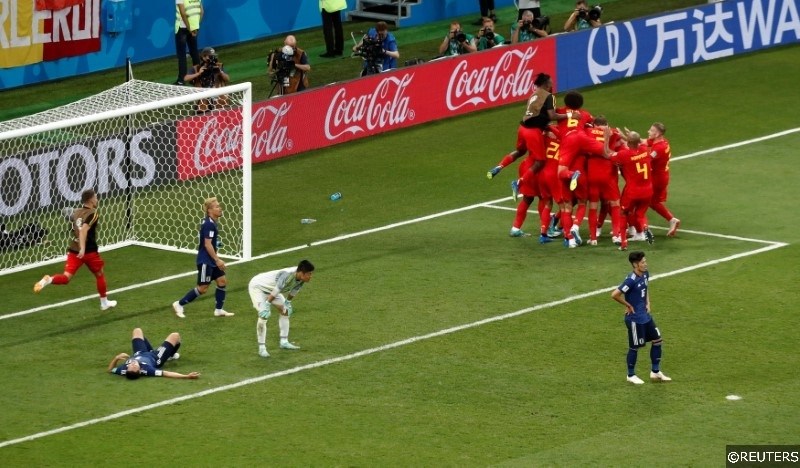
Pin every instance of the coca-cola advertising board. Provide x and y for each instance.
(340, 112)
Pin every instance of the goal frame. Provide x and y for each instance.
(246, 162)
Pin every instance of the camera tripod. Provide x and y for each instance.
(279, 83)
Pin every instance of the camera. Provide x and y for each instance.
(282, 63)
(460, 36)
(583, 13)
(371, 50)
(595, 12)
(542, 22)
(487, 33)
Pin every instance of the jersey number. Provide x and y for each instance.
(643, 169)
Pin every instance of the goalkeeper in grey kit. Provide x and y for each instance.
(276, 289)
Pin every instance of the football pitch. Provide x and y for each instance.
(430, 337)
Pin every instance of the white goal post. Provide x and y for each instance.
(152, 152)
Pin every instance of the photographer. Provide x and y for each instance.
(583, 17)
(288, 67)
(378, 48)
(209, 72)
(529, 28)
(487, 38)
(457, 42)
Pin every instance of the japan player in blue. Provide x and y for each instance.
(147, 361)
(633, 294)
(209, 266)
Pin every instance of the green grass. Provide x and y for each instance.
(247, 61)
(542, 388)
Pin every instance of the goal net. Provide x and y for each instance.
(152, 152)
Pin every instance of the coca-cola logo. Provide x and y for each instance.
(218, 143)
(271, 130)
(387, 106)
(511, 77)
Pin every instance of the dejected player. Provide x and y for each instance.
(634, 295)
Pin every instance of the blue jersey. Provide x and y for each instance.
(635, 289)
(388, 43)
(208, 230)
(147, 364)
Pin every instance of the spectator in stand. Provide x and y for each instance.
(188, 14)
(331, 11)
(487, 38)
(528, 28)
(583, 17)
(457, 42)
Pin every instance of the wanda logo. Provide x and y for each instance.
(386, 106)
(511, 77)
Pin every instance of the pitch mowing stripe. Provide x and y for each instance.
(378, 349)
(383, 228)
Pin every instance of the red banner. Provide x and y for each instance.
(400, 98)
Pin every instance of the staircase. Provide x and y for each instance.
(390, 11)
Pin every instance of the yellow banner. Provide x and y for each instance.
(20, 24)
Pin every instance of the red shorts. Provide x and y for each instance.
(633, 196)
(659, 193)
(92, 260)
(530, 182)
(549, 185)
(604, 188)
(534, 141)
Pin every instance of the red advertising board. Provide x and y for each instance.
(400, 98)
(341, 112)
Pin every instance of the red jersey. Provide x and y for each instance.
(636, 169)
(660, 152)
(569, 125)
(578, 143)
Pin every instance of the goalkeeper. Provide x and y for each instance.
(277, 288)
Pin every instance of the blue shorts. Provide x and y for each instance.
(207, 273)
(161, 355)
(640, 333)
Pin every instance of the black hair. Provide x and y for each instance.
(541, 79)
(573, 100)
(635, 257)
(131, 375)
(305, 266)
(87, 195)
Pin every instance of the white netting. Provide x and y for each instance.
(152, 152)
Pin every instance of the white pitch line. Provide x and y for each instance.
(367, 352)
(490, 204)
(370, 231)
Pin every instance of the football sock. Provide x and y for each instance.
(615, 220)
(101, 286)
(507, 159)
(522, 212)
(189, 297)
(261, 332)
(593, 223)
(604, 210)
(60, 279)
(566, 222)
(544, 216)
(219, 295)
(661, 208)
(283, 325)
(580, 212)
(655, 356)
(632, 354)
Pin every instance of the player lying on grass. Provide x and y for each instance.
(147, 361)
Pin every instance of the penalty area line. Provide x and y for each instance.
(367, 352)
